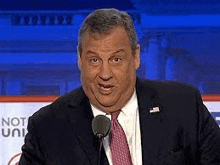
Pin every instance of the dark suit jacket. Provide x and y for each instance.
(183, 132)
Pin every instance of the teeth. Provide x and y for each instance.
(104, 88)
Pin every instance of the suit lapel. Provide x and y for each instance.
(81, 119)
(152, 132)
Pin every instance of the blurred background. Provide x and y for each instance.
(180, 41)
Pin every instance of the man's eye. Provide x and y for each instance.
(94, 60)
(116, 59)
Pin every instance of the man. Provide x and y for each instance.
(163, 122)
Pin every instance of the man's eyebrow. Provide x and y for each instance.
(118, 51)
(90, 52)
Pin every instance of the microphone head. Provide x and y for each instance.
(101, 126)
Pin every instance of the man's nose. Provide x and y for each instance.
(105, 72)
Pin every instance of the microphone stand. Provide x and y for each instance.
(100, 136)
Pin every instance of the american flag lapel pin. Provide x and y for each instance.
(155, 109)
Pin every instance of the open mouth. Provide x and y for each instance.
(105, 87)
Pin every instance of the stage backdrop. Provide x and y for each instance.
(15, 110)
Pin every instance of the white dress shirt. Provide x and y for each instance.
(129, 120)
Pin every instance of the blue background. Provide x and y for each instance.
(179, 42)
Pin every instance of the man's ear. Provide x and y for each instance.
(137, 56)
(79, 54)
(79, 61)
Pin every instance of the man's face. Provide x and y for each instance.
(108, 69)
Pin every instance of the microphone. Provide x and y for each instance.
(101, 126)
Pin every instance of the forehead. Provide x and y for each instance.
(116, 38)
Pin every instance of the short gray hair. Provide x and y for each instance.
(102, 21)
